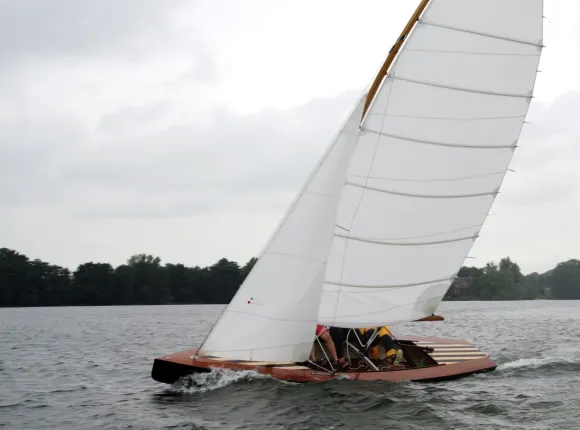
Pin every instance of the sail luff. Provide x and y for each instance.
(393, 54)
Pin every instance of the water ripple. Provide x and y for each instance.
(71, 368)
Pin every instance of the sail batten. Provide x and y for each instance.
(430, 142)
(423, 196)
(387, 287)
(537, 44)
(460, 178)
(451, 105)
(393, 243)
(467, 90)
(449, 118)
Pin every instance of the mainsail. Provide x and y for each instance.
(273, 315)
(431, 155)
(387, 217)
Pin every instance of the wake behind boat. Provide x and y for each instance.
(384, 222)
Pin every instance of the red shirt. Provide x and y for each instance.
(320, 330)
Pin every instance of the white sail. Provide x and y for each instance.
(436, 143)
(273, 315)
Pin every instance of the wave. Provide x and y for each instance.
(215, 379)
(537, 362)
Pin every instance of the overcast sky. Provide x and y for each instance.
(184, 128)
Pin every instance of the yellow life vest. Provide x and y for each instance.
(384, 330)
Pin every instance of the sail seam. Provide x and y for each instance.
(385, 287)
(390, 243)
(271, 317)
(299, 257)
(314, 193)
(479, 33)
(431, 142)
(424, 196)
(466, 90)
(212, 351)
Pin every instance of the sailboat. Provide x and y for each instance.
(384, 222)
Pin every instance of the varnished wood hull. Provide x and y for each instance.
(450, 359)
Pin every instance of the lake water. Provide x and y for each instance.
(89, 368)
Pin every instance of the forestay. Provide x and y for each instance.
(436, 143)
(273, 315)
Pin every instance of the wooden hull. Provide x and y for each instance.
(449, 359)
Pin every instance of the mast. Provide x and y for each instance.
(393, 53)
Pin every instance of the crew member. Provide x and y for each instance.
(393, 353)
(322, 333)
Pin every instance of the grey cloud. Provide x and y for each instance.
(141, 204)
(191, 169)
(135, 167)
(205, 70)
(133, 117)
(73, 27)
(31, 152)
(546, 163)
(124, 170)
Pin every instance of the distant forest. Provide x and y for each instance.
(143, 280)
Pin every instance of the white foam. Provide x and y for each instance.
(533, 362)
(215, 379)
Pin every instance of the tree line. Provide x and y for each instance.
(505, 281)
(143, 280)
